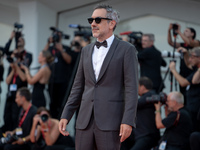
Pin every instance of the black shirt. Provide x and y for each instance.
(150, 62)
(193, 94)
(145, 123)
(61, 71)
(177, 133)
(27, 124)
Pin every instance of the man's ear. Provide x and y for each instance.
(112, 24)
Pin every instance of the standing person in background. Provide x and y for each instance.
(187, 36)
(105, 87)
(150, 60)
(60, 73)
(15, 79)
(40, 79)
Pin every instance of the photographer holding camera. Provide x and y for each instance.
(60, 70)
(15, 79)
(145, 135)
(192, 92)
(45, 133)
(187, 36)
(19, 138)
(150, 62)
(177, 122)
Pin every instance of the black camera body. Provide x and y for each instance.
(18, 26)
(57, 35)
(18, 32)
(19, 55)
(135, 38)
(161, 97)
(175, 27)
(8, 139)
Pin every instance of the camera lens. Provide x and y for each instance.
(44, 117)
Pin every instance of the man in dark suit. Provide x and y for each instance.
(150, 62)
(105, 88)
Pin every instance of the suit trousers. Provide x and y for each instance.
(92, 138)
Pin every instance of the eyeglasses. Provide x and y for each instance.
(97, 19)
(192, 56)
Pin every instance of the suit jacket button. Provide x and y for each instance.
(96, 85)
(92, 100)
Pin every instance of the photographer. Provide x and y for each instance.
(60, 71)
(145, 135)
(192, 92)
(177, 122)
(150, 62)
(15, 79)
(19, 138)
(188, 36)
(45, 133)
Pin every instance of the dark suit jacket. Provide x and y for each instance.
(150, 60)
(113, 97)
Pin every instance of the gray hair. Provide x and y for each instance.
(111, 13)
(196, 50)
(150, 35)
(178, 97)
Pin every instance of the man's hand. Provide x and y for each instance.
(19, 142)
(181, 49)
(125, 132)
(172, 66)
(62, 127)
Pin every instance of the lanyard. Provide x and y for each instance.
(14, 78)
(24, 116)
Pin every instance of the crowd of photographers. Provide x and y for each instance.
(27, 121)
(182, 107)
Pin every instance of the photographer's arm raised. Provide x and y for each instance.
(65, 55)
(11, 74)
(32, 80)
(181, 80)
(20, 72)
(169, 38)
(196, 77)
(186, 56)
(158, 118)
(184, 38)
(35, 127)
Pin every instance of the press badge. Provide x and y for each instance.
(56, 60)
(13, 87)
(19, 131)
(163, 145)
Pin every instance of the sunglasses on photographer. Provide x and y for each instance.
(97, 19)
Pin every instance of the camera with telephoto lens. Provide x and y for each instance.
(161, 97)
(57, 35)
(8, 139)
(174, 27)
(18, 55)
(18, 32)
(44, 117)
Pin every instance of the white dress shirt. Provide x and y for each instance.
(99, 55)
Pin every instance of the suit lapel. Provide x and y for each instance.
(108, 57)
(91, 69)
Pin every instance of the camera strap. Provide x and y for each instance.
(24, 116)
(177, 118)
